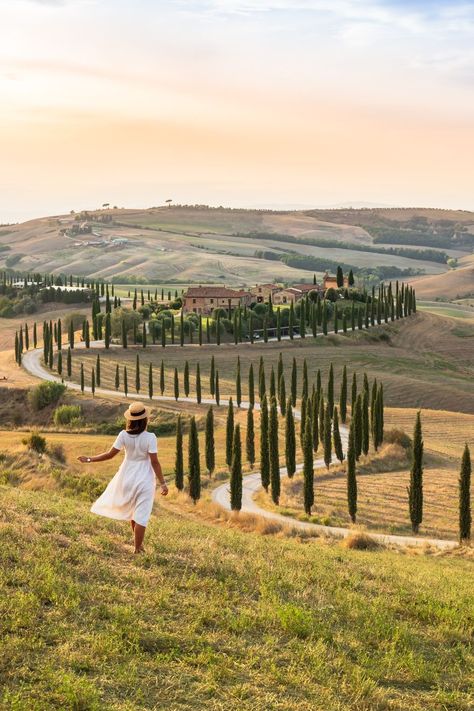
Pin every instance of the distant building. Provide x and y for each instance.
(263, 292)
(330, 282)
(287, 296)
(204, 299)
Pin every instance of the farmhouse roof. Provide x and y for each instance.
(218, 292)
(305, 287)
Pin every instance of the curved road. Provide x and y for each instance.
(251, 483)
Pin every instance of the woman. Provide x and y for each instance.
(130, 494)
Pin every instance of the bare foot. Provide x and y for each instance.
(139, 550)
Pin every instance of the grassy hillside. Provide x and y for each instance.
(214, 618)
(183, 245)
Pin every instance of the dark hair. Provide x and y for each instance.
(136, 427)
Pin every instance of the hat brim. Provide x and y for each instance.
(129, 416)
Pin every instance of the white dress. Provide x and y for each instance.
(130, 494)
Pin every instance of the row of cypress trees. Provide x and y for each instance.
(386, 304)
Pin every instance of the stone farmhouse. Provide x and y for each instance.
(204, 299)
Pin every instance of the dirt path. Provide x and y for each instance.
(251, 483)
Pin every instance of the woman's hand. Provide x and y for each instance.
(164, 489)
(84, 459)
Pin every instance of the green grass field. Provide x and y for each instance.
(214, 618)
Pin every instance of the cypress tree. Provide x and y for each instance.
(321, 419)
(137, 373)
(373, 403)
(291, 321)
(217, 389)
(69, 362)
(353, 321)
(261, 380)
(108, 330)
(273, 452)
(60, 362)
(194, 468)
(465, 517)
(125, 380)
(51, 354)
(315, 421)
(212, 377)
(302, 322)
(186, 379)
(150, 381)
(176, 384)
(181, 329)
(162, 378)
(353, 394)
(343, 396)
(200, 330)
(327, 437)
(144, 335)
(330, 390)
(318, 385)
(308, 472)
(251, 386)
(17, 347)
(264, 453)
(358, 426)
(365, 422)
(238, 384)
(198, 384)
(278, 326)
(381, 420)
(210, 445)
(272, 383)
(236, 472)
(93, 382)
(35, 335)
(250, 438)
(218, 328)
(294, 382)
(325, 318)
(124, 334)
(82, 377)
(60, 335)
(304, 409)
(163, 333)
(229, 433)
(415, 490)
(290, 441)
(351, 475)
(282, 395)
(279, 368)
(337, 437)
(97, 370)
(71, 334)
(304, 389)
(87, 334)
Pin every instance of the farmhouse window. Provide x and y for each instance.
(194, 301)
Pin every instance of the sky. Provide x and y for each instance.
(245, 103)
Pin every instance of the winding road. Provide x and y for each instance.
(251, 483)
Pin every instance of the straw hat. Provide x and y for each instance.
(136, 411)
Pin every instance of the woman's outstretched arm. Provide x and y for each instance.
(100, 457)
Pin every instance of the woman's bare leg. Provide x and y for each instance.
(139, 533)
(132, 523)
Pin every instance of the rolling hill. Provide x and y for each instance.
(183, 244)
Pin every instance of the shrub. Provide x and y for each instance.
(45, 394)
(399, 437)
(361, 542)
(64, 414)
(36, 442)
(56, 451)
